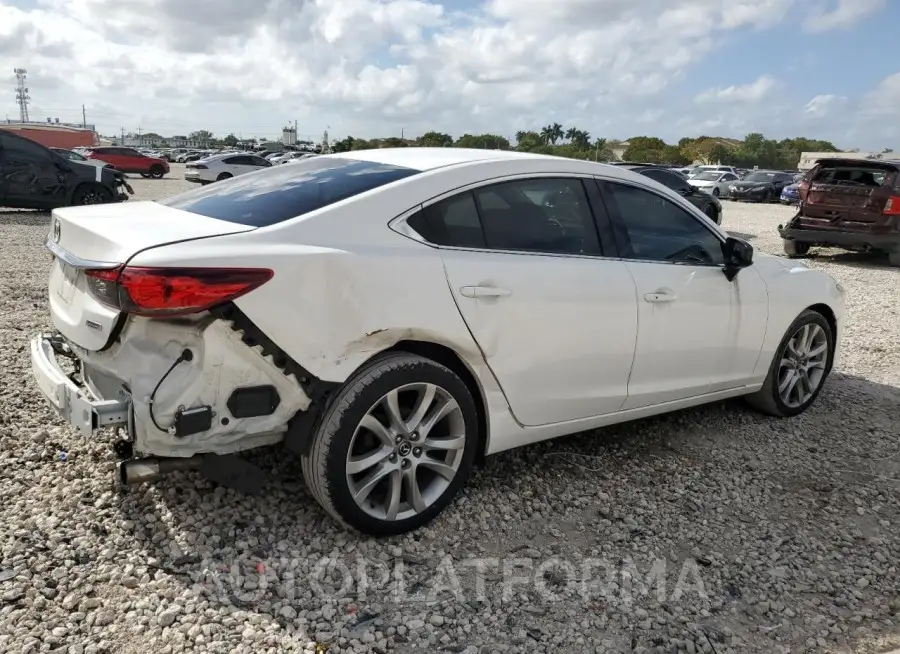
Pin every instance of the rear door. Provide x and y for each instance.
(847, 195)
(555, 320)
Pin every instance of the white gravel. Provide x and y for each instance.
(785, 534)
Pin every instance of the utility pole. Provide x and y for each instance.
(140, 138)
(83, 117)
(22, 96)
(122, 143)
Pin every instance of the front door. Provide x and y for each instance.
(698, 332)
(32, 175)
(555, 321)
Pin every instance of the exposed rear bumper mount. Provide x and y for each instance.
(73, 403)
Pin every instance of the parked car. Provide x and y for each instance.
(848, 203)
(673, 180)
(35, 177)
(714, 182)
(790, 194)
(223, 166)
(759, 186)
(276, 308)
(129, 160)
(698, 170)
(71, 155)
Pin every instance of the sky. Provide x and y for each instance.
(378, 68)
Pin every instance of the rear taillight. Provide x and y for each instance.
(892, 206)
(165, 292)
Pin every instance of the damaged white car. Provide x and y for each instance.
(393, 315)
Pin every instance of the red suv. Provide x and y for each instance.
(128, 160)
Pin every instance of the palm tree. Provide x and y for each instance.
(547, 134)
(556, 133)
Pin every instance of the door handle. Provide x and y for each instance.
(484, 291)
(660, 296)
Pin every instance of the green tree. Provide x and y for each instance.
(434, 140)
(552, 133)
(649, 149)
(231, 140)
(483, 142)
(202, 135)
(580, 138)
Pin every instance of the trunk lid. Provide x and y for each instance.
(846, 195)
(106, 236)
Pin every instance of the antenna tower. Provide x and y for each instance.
(22, 96)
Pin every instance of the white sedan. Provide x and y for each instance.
(219, 167)
(393, 315)
(714, 182)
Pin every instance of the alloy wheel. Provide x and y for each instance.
(406, 451)
(802, 367)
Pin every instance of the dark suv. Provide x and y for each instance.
(34, 177)
(678, 183)
(852, 204)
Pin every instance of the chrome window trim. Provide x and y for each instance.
(75, 261)
(398, 224)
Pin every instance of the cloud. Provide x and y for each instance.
(379, 67)
(845, 13)
(752, 93)
(823, 105)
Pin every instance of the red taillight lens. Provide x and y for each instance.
(892, 207)
(164, 292)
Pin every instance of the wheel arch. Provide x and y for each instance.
(451, 359)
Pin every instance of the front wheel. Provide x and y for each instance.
(157, 171)
(394, 447)
(223, 176)
(91, 194)
(715, 192)
(798, 371)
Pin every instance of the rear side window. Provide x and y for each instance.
(850, 175)
(273, 195)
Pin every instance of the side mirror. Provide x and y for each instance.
(688, 190)
(738, 255)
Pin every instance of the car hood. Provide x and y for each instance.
(745, 184)
(705, 182)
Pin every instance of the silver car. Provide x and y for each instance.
(714, 182)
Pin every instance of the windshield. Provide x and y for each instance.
(759, 176)
(273, 195)
(708, 176)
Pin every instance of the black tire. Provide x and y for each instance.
(145, 175)
(223, 176)
(794, 249)
(325, 464)
(715, 192)
(157, 171)
(88, 194)
(713, 213)
(767, 399)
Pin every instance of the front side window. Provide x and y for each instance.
(659, 230)
(272, 195)
(20, 149)
(545, 215)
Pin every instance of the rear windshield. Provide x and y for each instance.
(850, 175)
(273, 195)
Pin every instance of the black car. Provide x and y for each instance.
(678, 183)
(760, 186)
(35, 177)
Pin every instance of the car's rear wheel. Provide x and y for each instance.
(157, 171)
(394, 447)
(91, 194)
(798, 371)
(794, 249)
(224, 176)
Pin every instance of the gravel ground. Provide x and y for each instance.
(711, 530)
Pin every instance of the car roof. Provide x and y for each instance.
(430, 158)
(836, 161)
